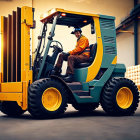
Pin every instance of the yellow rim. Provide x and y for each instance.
(51, 99)
(124, 98)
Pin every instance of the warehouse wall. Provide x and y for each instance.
(6, 7)
(125, 47)
(118, 8)
(125, 43)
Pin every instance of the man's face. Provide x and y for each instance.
(77, 34)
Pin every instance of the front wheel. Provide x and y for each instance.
(47, 98)
(120, 97)
(11, 108)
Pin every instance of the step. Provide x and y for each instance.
(85, 97)
(81, 93)
(75, 86)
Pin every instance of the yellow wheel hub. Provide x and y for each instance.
(51, 99)
(124, 97)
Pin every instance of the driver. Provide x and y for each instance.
(80, 54)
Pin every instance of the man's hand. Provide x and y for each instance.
(66, 54)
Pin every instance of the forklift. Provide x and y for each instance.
(28, 85)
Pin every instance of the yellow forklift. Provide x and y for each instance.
(27, 85)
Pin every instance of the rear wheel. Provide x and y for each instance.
(120, 97)
(47, 98)
(11, 108)
(85, 107)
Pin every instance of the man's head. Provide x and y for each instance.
(77, 32)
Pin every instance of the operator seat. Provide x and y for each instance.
(93, 49)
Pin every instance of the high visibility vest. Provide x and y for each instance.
(82, 47)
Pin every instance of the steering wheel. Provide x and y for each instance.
(58, 45)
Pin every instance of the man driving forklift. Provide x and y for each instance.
(80, 54)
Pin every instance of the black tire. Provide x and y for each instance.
(11, 108)
(35, 105)
(109, 97)
(85, 107)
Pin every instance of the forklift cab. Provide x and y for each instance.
(105, 35)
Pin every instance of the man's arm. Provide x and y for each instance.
(81, 47)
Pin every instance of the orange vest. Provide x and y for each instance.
(82, 47)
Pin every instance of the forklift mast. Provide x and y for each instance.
(16, 73)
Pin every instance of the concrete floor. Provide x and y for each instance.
(72, 126)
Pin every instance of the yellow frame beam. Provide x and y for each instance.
(94, 68)
(15, 91)
(26, 23)
(11, 87)
(11, 96)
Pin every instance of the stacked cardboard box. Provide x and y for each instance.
(133, 73)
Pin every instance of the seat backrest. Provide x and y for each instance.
(93, 49)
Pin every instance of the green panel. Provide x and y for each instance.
(92, 83)
(98, 85)
(108, 17)
(106, 76)
(96, 91)
(85, 87)
(80, 75)
(119, 70)
(108, 60)
(108, 33)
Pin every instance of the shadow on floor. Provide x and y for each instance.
(70, 114)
